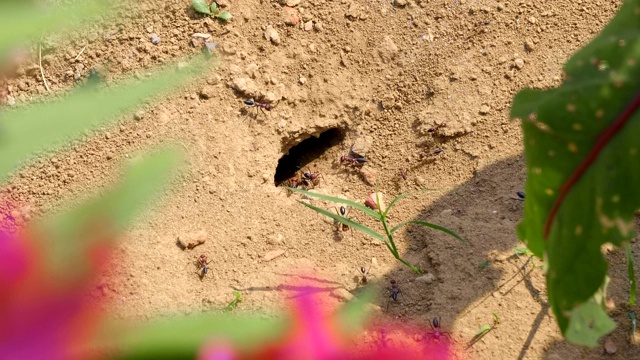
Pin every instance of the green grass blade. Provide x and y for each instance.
(353, 224)
(48, 125)
(632, 277)
(398, 198)
(433, 226)
(338, 200)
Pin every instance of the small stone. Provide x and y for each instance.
(529, 45)
(484, 109)
(368, 175)
(293, 3)
(23, 86)
(374, 262)
(401, 3)
(420, 181)
(239, 84)
(610, 347)
(275, 239)
(207, 92)
(518, 63)
(272, 35)
(502, 60)
(318, 26)
(11, 101)
(272, 255)
(342, 294)
(372, 201)
(139, 115)
(291, 16)
(265, 177)
(302, 80)
(426, 278)
(308, 26)
(500, 7)
(532, 20)
(228, 49)
(155, 39)
(362, 145)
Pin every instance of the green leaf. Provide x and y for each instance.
(225, 16)
(234, 303)
(428, 224)
(71, 234)
(338, 200)
(45, 126)
(201, 6)
(214, 8)
(33, 20)
(632, 277)
(343, 220)
(522, 251)
(588, 323)
(483, 330)
(582, 153)
(184, 337)
(484, 265)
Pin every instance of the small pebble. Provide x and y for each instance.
(291, 16)
(484, 109)
(139, 115)
(426, 278)
(518, 63)
(207, 92)
(302, 80)
(292, 3)
(529, 46)
(610, 347)
(308, 26)
(272, 255)
(368, 175)
(272, 35)
(155, 39)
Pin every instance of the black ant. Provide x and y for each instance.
(342, 226)
(260, 106)
(395, 291)
(437, 332)
(203, 264)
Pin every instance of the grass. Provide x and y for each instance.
(379, 215)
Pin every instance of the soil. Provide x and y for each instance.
(422, 89)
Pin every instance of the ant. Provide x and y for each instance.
(395, 291)
(260, 106)
(437, 332)
(364, 271)
(343, 212)
(314, 178)
(203, 264)
(352, 158)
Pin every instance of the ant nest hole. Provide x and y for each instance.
(305, 152)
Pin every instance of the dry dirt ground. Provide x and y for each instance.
(401, 80)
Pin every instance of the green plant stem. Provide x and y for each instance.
(394, 251)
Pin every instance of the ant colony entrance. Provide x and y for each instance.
(305, 152)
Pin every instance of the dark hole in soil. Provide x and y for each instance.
(305, 152)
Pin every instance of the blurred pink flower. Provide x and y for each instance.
(314, 336)
(41, 315)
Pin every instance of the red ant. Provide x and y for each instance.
(261, 106)
(352, 159)
(313, 177)
(203, 264)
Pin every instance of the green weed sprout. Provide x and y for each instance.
(203, 7)
(378, 215)
(484, 330)
(233, 304)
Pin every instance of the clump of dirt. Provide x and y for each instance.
(426, 86)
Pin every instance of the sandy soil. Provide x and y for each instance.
(400, 80)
